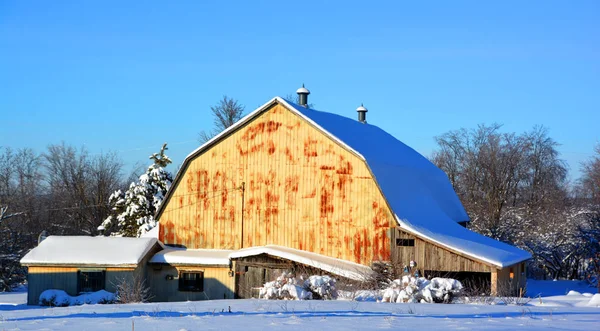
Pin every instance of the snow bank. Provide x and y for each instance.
(77, 250)
(595, 300)
(60, 298)
(413, 290)
(287, 287)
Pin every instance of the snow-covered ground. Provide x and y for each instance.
(555, 310)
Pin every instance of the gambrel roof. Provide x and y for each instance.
(418, 192)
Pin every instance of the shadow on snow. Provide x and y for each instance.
(302, 314)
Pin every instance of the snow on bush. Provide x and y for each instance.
(60, 298)
(413, 290)
(287, 287)
(595, 300)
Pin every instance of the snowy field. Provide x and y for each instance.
(555, 311)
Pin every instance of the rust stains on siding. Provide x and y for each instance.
(302, 190)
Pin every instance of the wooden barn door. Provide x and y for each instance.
(251, 273)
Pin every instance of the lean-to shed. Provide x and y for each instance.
(79, 264)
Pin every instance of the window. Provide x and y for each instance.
(405, 242)
(191, 281)
(90, 281)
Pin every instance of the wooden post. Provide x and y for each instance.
(494, 281)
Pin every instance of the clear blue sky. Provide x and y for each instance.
(128, 77)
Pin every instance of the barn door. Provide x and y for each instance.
(249, 280)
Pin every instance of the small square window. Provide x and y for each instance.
(405, 242)
(191, 281)
(90, 281)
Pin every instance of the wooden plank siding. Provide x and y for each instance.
(40, 279)
(429, 256)
(217, 283)
(511, 280)
(302, 190)
(44, 278)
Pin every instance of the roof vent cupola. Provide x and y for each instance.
(362, 113)
(303, 96)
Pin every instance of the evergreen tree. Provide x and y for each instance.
(133, 210)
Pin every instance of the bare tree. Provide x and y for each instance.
(590, 180)
(80, 186)
(514, 189)
(226, 113)
(20, 204)
(485, 168)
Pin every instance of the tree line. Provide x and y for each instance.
(515, 189)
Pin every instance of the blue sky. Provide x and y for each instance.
(128, 77)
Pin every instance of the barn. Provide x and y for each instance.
(288, 187)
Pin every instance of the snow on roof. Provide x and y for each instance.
(329, 264)
(83, 250)
(418, 191)
(153, 233)
(182, 256)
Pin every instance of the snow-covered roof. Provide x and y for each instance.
(182, 256)
(418, 192)
(329, 264)
(221, 257)
(153, 233)
(83, 250)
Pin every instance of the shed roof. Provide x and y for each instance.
(83, 250)
(182, 256)
(332, 265)
(418, 192)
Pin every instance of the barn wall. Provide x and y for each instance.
(252, 272)
(116, 276)
(217, 283)
(431, 257)
(510, 280)
(40, 279)
(302, 190)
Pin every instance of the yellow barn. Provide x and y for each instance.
(287, 185)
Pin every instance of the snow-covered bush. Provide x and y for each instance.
(60, 298)
(287, 287)
(413, 290)
(322, 287)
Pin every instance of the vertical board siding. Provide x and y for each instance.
(431, 257)
(217, 283)
(515, 286)
(40, 279)
(302, 190)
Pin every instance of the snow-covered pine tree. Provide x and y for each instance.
(133, 210)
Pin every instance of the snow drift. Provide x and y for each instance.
(60, 298)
